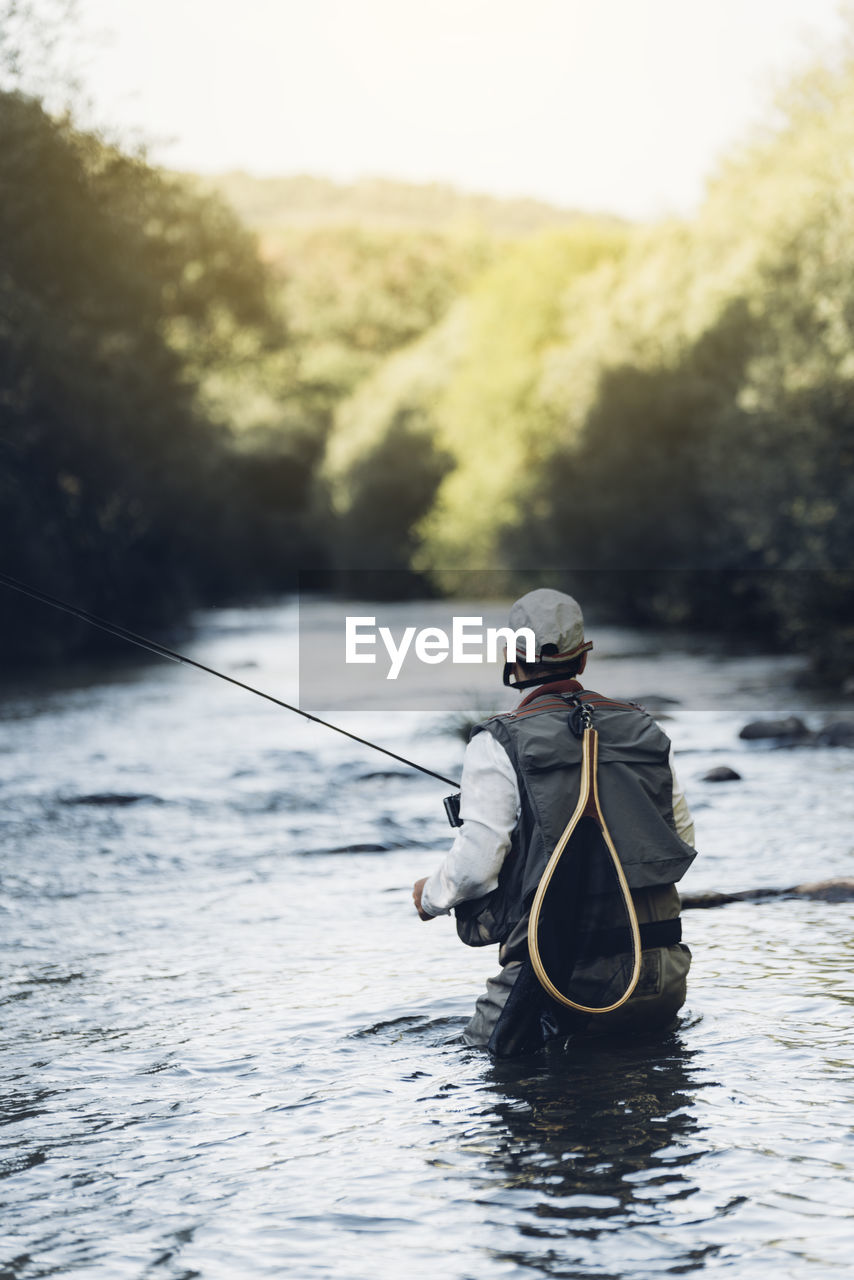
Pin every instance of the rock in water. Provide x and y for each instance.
(839, 733)
(841, 889)
(792, 729)
(721, 773)
(106, 798)
(706, 898)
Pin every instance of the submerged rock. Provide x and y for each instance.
(839, 733)
(111, 798)
(839, 889)
(721, 773)
(708, 898)
(790, 729)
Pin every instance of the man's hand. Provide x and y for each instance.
(416, 898)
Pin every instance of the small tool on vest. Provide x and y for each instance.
(579, 718)
(452, 809)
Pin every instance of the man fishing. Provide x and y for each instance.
(587, 840)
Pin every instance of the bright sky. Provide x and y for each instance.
(619, 105)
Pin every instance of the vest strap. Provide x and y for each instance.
(656, 933)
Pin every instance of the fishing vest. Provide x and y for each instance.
(635, 790)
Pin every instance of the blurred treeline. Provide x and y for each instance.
(125, 299)
(670, 407)
(194, 409)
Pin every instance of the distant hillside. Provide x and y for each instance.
(300, 201)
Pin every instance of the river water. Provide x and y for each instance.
(229, 1043)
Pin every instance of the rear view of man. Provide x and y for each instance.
(520, 785)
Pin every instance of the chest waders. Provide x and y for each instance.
(581, 891)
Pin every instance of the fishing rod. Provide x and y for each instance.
(153, 646)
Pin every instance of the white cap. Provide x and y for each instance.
(556, 620)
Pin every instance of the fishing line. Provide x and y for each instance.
(142, 642)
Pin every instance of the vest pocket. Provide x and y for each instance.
(478, 925)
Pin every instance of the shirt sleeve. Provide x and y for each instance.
(681, 813)
(489, 807)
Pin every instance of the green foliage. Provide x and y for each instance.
(411, 381)
(369, 290)
(391, 486)
(353, 297)
(118, 288)
(493, 417)
(711, 432)
(668, 408)
(474, 383)
(385, 385)
(167, 389)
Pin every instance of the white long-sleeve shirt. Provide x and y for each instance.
(490, 807)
